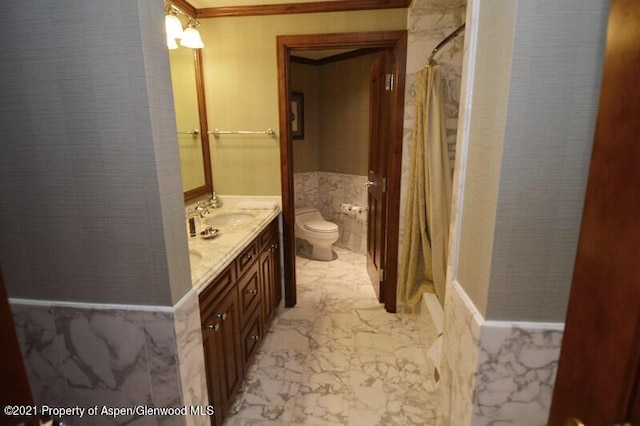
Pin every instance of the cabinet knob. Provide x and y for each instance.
(222, 316)
(249, 256)
(214, 327)
(252, 292)
(254, 337)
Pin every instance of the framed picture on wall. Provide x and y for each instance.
(297, 115)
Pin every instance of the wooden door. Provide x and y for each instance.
(396, 44)
(598, 377)
(379, 114)
(14, 389)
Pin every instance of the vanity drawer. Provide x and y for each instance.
(216, 289)
(251, 337)
(250, 291)
(246, 258)
(270, 232)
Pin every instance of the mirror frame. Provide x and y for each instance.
(207, 188)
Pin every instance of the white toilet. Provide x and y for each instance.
(311, 226)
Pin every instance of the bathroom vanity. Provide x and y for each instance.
(238, 278)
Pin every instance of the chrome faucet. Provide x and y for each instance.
(214, 201)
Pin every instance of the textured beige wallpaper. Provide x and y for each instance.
(240, 68)
(535, 96)
(344, 133)
(553, 100)
(305, 79)
(337, 111)
(88, 157)
(496, 22)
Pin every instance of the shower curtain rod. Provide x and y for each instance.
(446, 40)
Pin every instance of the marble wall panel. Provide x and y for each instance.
(493, 371)
(39, 342)
(517, 365)
(104, 358)
(191, 366)
(428, 23)
(114, 356)
(459, 357)
(306, 189)
(327, 192)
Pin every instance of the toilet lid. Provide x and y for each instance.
(320, 226)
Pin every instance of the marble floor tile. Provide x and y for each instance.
(337, 358)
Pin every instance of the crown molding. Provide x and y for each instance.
(295, 8)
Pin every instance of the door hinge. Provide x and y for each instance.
(385, 184)
(382, 275)
(389, 82)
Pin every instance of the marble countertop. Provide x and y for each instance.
(210, 256)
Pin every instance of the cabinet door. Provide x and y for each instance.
(228, 314)
(212, 343)
(266, 279)
(270, 277)
(223, 357)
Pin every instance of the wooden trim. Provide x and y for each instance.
(397, 42)
(305, 61)
(186, 7)
(286, 175)
(308, 7)
(395, 173)
(336, 58)
(207, 188)
(202, 111)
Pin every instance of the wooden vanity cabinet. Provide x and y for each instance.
(235, 309)
(222, 350)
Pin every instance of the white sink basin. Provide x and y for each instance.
(227, 220)
(194, 257)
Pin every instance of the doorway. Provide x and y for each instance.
(395, 42)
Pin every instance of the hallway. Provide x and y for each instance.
(338, 358)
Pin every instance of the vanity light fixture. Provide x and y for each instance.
(189, 37)
(172, 25)
(171, 43)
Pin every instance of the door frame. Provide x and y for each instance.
(396, 41)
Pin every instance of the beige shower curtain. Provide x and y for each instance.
(426, 224)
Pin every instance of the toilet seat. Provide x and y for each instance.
(321, 226)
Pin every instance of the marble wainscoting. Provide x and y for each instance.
(113, 356)
(327, 192)
(495, 371)
(307, 189)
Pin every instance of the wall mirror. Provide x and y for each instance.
(191, 121)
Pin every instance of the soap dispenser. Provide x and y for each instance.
(192, 222)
